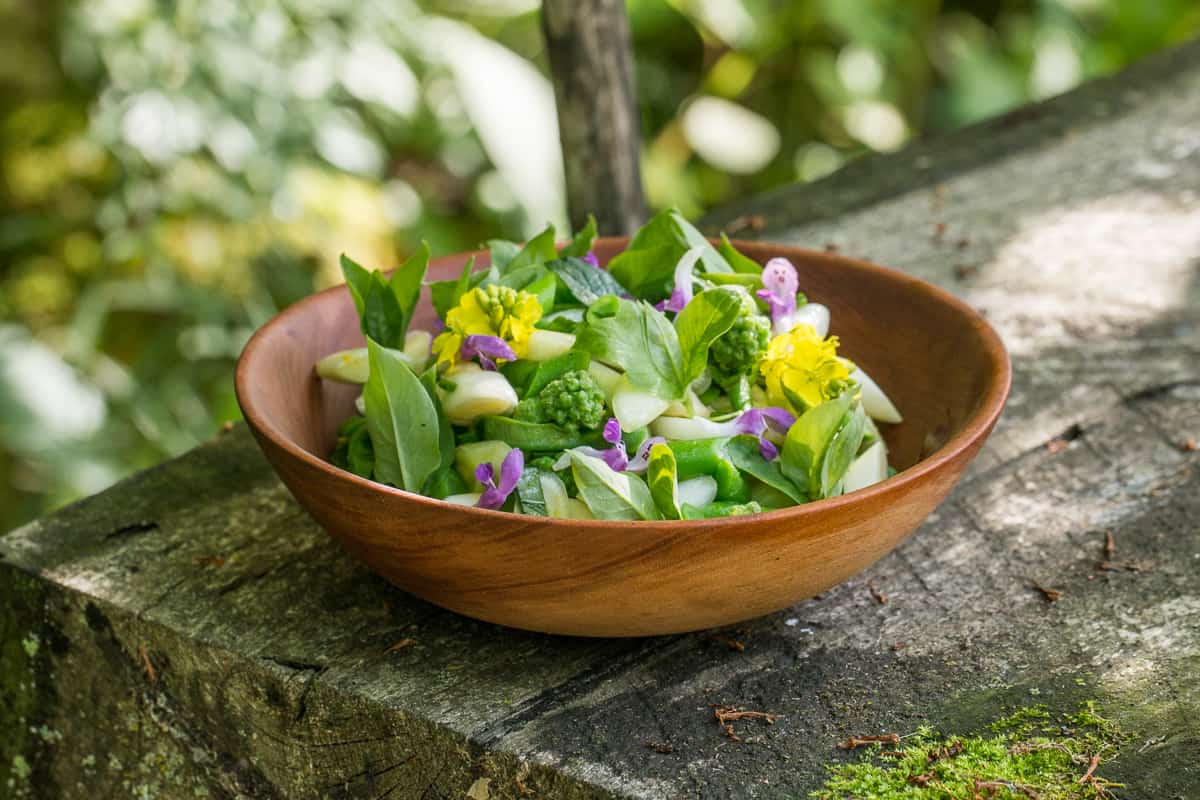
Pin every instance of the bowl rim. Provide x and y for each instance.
(976, 427)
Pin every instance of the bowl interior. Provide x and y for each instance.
(935, 360)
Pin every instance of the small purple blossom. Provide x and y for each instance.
(495, 494)
(682, 294)
(590, 258)
(756, 422)
(616, 456)
(486, 348)
(780, 283)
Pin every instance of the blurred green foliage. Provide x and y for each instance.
(173, 172)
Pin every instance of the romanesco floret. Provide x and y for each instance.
(574, 401)
(739, 349)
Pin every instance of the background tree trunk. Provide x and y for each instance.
(591, 58)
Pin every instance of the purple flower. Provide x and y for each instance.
(780, 284)
(510, 472)
(487, 348)
(590, 258)
(682, 294)
(756, 421)
(616, 456)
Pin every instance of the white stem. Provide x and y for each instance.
(874, 401)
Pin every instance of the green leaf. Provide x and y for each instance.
(706, 317)
(740, 263)
(583, 240)
(554, 368)
(610, 494)
(538, 250)
(385, 307)
(406, 283)
(647, 272)
(446, 294)
(403, 421)
(545, 286)
(429, 379)
(647, 266)
(502, 252)
(585, 283)
(751, 282)
(360, 457)
(529, 492)
(641, 341)
(808, 440)
(358, 281)
(382, 317)
(664, 485)
(744, 453)
(842, 449)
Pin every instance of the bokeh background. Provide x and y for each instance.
(173, 172)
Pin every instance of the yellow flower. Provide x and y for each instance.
(801, 366)
(491, 311)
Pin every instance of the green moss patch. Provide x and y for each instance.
(1030, 754)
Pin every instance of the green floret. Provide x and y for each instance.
(733, 358)
(573, 401)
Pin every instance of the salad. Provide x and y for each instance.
(683, 381)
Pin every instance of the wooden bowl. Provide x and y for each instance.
(939, 361)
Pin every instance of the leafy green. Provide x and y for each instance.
(403, 421)
(529, 492)
(808, 441)
(610, 494)
(340, 457)
(502, 252)
(446, 294)
(536, 251)
(360, 457)
(385, 307)
(585, 283)
(743, 451)
(843, 447)
(664, 485)
(429, 380)
(706, 317)
(583, 240)
(740, 263)
(647, 265)
(555, 368)
(640, 340)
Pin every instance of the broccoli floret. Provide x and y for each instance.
(733, 358)
(573, 401)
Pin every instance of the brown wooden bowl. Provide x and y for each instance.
(939, 361)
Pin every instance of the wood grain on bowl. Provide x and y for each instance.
(940, 362)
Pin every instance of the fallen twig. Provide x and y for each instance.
(879, 596)
(949, 751)
(400, 645)
(1110, 546)
(855, 742)
(1051, 595)
(151, 673)
(991, 786)
(727, 715)
(1089, 776)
